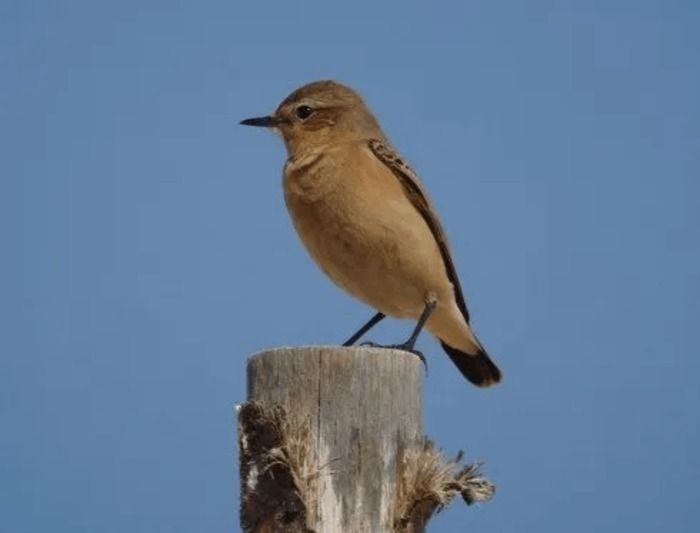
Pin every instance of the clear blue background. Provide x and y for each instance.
(146, 250)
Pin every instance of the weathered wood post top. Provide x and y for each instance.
(331, 440)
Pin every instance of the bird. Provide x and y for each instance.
(366, 220)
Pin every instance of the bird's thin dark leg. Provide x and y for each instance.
(425, 315)
(364, 329)
(409, 345)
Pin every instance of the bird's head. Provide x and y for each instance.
(321, 112)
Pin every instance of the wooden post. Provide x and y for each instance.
(331, 440)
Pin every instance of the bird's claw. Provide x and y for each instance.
(402, 347)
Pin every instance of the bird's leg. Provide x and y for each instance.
(409, 345)
(364, 329)
(424, 316)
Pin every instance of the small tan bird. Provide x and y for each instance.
(366, 220)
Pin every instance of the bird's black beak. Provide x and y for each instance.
(263, 122)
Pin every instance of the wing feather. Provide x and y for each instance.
(415, 193)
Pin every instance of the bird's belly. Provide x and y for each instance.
(382, 256)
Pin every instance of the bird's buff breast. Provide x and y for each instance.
(348, 231)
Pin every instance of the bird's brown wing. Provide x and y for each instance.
(414, 192)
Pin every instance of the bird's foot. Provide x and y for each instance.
(405, 347)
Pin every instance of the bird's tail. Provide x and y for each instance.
(477, 368)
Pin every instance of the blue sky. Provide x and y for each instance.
(146, 250)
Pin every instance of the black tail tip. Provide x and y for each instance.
(478, 369)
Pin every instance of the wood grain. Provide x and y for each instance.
(361, 408)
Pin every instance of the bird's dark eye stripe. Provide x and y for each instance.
(304, 112)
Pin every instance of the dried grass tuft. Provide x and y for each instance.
(277, 474)
(428, 482)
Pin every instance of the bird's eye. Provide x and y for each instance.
(303, 112)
